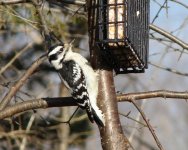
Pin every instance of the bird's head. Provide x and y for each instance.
(57, 54)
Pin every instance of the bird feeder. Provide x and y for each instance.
(120, 28)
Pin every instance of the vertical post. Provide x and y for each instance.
(112, 137)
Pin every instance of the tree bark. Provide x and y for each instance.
(112, 137)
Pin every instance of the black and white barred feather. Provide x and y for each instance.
(79, 78)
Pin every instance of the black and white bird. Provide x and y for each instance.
(79, 77)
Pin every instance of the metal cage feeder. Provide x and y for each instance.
(120, 28)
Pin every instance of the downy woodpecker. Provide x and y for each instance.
(79, 77)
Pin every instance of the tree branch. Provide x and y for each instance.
(36, 104)
(112, 136)
(69, 101)
(131, 97)
(148, 124)
(7, 98)
(180, 3)
(42, 24)
(4, 68)
(169, 36)
(152, 94)
(170, 70)
(75, 2)
(12, 2)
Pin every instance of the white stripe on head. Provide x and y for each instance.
(55, 50)
(60, 55)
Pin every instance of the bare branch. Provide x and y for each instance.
(7, 98)
(14, 58)
(42, 24)
(170, 70)
(180, 3)
(148, 124)
(137, 121)
(142, 142)
(36, 104)
(69, 101)
(161, 7)
(75, 2)
(28, 129)
(10, 2)
(152, 94)
(169, 36)
(131, 97)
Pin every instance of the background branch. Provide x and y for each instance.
(169, 69)
(12, 2)
(16, 86)
(42, 24)
(69, 101)
(15, 57)
(75, 2)
(152, 94)
(148, 124)
(169, 36)
(36, 104)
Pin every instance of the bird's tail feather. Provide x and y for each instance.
(90, 115)
(95, 115)
(97, 119)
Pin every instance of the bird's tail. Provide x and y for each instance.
(98, 117)
(95, 115)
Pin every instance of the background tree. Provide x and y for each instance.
(25, 26)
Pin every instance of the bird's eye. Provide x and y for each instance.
(61, 50)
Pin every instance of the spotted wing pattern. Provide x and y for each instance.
(73, 77)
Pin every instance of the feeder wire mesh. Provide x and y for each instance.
(120, 28)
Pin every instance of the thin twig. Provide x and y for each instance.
(157, 15)
(180, 3)
(74, 120)
(142, 142)
(13, 2)
(75, 2)
(15, 14)
(10, 2)
(127, 116)
(169, 36)
(152, 94)
(170, 70)
(14, 58)
(163, 41)
(7, 98)
(42, 24)
(148, 124)
(29, 125)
